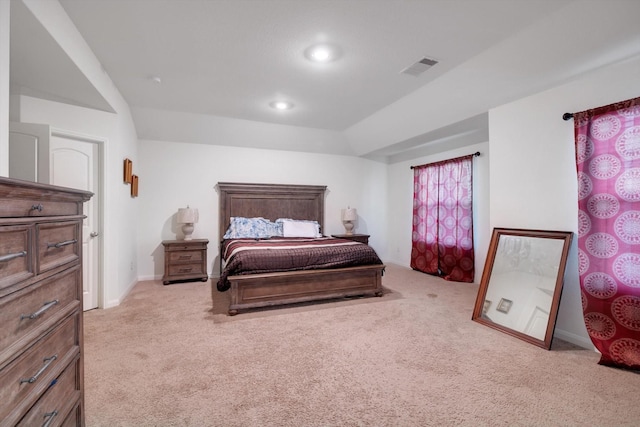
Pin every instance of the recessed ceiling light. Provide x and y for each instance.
(155, 79)
(281, 105)
(322, 53)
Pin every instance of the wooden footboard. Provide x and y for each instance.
(270, 289)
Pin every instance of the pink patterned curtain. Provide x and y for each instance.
(608, 164)
(442, 239)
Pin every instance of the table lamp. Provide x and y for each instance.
(349, 215)
(187, 217)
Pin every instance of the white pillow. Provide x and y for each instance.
(292, 228)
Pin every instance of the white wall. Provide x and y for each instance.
(5, 21)
(533, 172)
(177, 174)
(119, 236)
(119, 233)
(153, 124)
(400, 204)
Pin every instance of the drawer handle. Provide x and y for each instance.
(49, 416)
(37, 207)
(61, 244)
(185, 270)
(45, 307)
(47, 361)
(185, 257)
(9, 257)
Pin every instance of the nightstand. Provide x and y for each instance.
(362, 238)
(185, 260)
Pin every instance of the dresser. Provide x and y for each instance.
(41, 337)
(185, 260)
(362, 238)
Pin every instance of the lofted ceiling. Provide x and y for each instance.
(231, 58)
(40, 68)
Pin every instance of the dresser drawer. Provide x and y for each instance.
(185, 260)
(38, 207)
(60, 398)
(15, 254)
(75, 417)
(27, 377)
(41, 354)
(185, 256)
(58, 243)
(185, 245)
(186, 269)
(28, 313)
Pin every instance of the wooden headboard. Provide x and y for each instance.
(270, 201)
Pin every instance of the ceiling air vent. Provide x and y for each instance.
(419, 67)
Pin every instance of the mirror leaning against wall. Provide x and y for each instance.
(521, 284)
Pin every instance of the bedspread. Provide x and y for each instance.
(252, 256)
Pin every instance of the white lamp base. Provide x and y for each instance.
(187, 229)
(348, 226)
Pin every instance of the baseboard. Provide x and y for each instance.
(145, 278)
(157, 277)
(116, 302)
(391, 260)
(574, 339)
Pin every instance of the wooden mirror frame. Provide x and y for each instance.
(506, 304)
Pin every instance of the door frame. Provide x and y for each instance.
(101, 144)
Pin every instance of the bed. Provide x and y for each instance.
(302, 202)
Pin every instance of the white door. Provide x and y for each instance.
(537, 325)
(535, 314)
(29, 151)
(75, 163)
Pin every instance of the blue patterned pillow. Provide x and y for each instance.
(252, 228)
(274, 229)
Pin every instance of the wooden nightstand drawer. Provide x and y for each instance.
(185, 269)
(58, 244)
(15, 254)
(181, 246)
(185, 260)
(184, 256)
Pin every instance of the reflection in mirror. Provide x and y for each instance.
(521, 283)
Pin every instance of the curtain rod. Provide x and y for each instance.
(633, 102)
(476, 154)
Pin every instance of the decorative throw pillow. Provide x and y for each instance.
(299, 228)
(251, 228)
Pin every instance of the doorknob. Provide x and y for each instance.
(94, 234)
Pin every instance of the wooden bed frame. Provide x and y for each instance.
(273, 201)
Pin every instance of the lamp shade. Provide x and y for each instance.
(350, 214)
(187, 215)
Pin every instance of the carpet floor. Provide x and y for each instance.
(170, 356)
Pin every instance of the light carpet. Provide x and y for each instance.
(170, 356)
